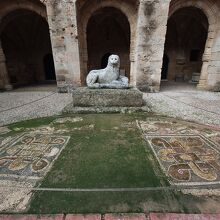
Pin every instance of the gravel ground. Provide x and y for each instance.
(188, 104)
(18, 106)
(180, 101)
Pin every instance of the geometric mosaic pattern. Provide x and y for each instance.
(187, 159)
(188, 153)
(163, 127)
(24, 161)
(31, 154)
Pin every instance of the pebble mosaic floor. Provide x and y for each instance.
(24, 161)
(188, 153)
(30, 154)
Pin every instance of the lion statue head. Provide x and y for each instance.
(114, 61)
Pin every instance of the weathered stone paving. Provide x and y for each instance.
(187, 104)
(24, 105)
(18, 106)
(187, 152)
(131, 216)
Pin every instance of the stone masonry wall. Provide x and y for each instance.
(213, 82)
(148, 32)
(152, 20)
(149, 42)
(64, 37)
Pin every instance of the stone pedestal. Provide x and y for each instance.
(84, 97)
(87, 100)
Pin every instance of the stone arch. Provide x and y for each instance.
(13, 13)
(86, 11)
(108, 31)
(210, 10)
(36, 6)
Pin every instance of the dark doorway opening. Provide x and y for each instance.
(187, 32)
(49, 67)
(165, 67)
(104, 61)
(108, 32)
(25, 40)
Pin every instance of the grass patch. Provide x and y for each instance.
(33, 123)
(111, 202)
(107, 156)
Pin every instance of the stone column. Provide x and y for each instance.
(213, 69)
(64, 38)
(204, 72)
(151, 32)
(206, 60)
(4, 79)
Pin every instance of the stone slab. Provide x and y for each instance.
(18, 217)
(32, 217)
(171, 216)
(132, 216)
(83, 217)
(51, 217)
(85, 97)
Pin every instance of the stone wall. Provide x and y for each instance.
(68, 21)
(85, 11)
(213, 81)
(108, 32)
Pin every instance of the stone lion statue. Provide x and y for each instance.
(108, 77)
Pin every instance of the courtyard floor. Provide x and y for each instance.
(110, 163)
(181, 100)
(175, 100)
(31, 102)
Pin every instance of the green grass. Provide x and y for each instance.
(111, 155)
(108, 156)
